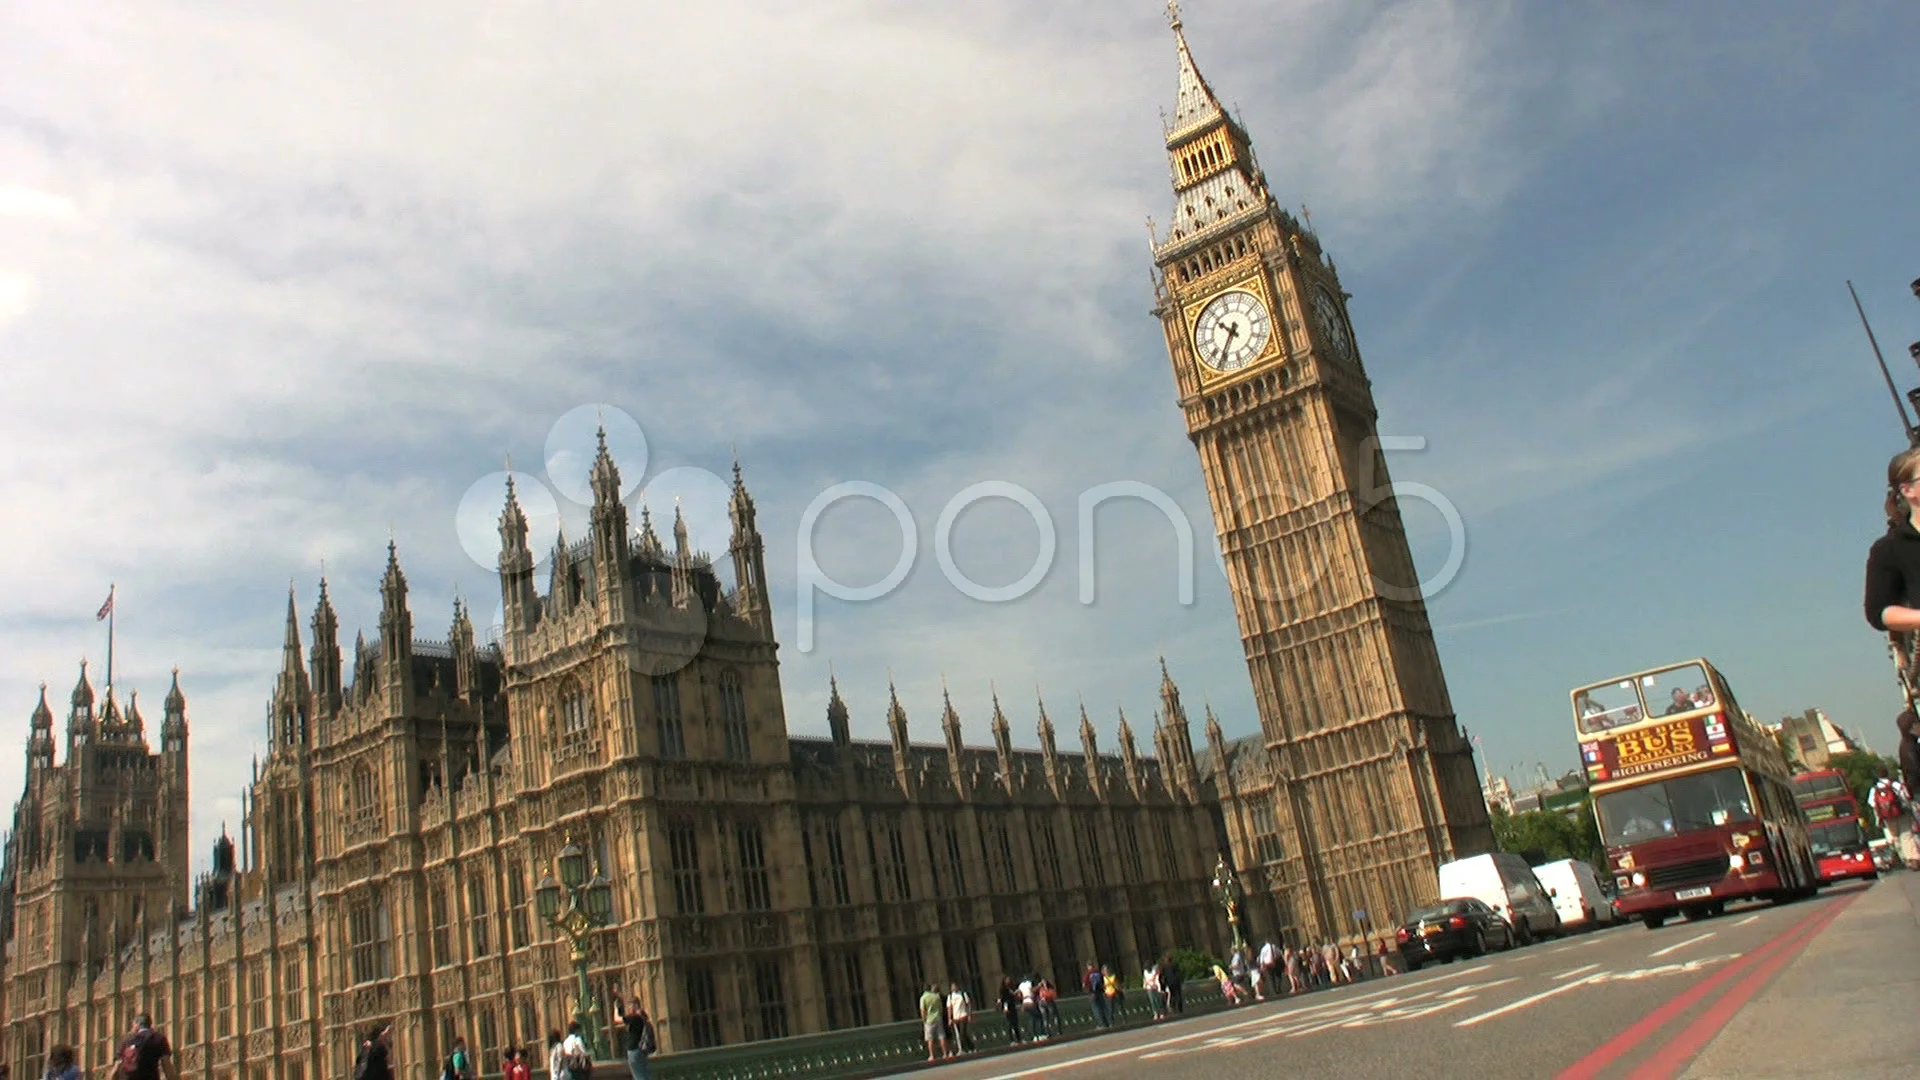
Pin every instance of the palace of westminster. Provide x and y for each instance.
(766, 884)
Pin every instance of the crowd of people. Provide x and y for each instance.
(568, 1056)
(1029, 1005)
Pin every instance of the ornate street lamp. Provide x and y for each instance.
(588, 907)
(1227, 893)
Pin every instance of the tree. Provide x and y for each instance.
(1550, 835)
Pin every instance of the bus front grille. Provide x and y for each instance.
(1687, 873)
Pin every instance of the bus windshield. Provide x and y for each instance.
(1670, 691)
(1819, 786)
(1671, 807)
(1836, 837)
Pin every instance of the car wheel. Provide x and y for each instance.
(1479, 943)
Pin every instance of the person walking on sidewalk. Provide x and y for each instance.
(1893, 805)
(1095, 987)
(933, 1023)
(1010, 1008)
(960, 1019)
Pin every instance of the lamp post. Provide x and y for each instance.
(588, 907)
(1227, 893)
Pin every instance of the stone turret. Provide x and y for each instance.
(837, 715)
(1090, 749)
(748, 550)
(323, 661)
(956, 750)
(897, 727)
(1049, 753)
(612, 567)
(396, 638)
(1130, 758)
(1002, 745)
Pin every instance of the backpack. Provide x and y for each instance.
(644, 1042)
(1887, 802)
(130, 1052)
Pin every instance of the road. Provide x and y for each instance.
(1621, 1002)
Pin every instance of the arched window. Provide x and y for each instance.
(361, 793)
(733, 717)
(576, 718)
(666, 710)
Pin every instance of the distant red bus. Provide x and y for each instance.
(1833, 824)
(1692, 798)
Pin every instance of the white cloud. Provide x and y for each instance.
(302, 274)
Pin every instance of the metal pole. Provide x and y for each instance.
(1912, 437)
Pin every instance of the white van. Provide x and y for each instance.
(1504, 882)
(1576, 893)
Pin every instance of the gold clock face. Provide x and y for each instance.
(1333, 328)
(1232, 330)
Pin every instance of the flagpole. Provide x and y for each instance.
(1913, 436)
(110, 613)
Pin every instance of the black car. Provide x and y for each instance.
(1463, 927)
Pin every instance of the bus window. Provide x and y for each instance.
(1650, 811)
(1677, 690)
(1603, 707)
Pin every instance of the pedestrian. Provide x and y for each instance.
(933, 1022)
(1029, 991)
(1010, 1008)
(960, 1019)
(459, 1063)
(60, 1064)
(1150, 982)
(514, 1065)
(556, 1056)
(1116, 994)
(144, 1054)
(575, 1058)
(1049, 1006)
(1095, 986)
(375, 1061)
(1174, 981)
(1893, 574)
(641, 1041)
(1893, 804)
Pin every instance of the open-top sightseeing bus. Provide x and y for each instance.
(1840, 842)
(1694, 801)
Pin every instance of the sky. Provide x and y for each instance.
(280, 282)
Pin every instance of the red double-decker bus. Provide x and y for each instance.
(1694, 801)
(1833, 824)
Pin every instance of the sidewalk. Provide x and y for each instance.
(1845, 1007)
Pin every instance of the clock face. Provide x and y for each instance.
(1333, 328)
(1232, 330)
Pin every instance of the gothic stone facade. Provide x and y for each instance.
(765, 885)
(1366, 783)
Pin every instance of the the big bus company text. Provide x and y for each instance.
(1694, 800)
(1840, 845)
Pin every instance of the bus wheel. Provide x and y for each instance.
(1654, 922)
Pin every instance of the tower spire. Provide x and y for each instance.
(1195, 102)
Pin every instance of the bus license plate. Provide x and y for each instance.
(1694, 894)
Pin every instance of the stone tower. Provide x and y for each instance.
(1373, 782)
(98, 851)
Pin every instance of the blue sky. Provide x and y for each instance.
(273, 283)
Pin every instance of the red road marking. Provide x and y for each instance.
(1668, 1060)
(1591, 1065)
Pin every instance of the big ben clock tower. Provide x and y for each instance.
(1370, 784)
